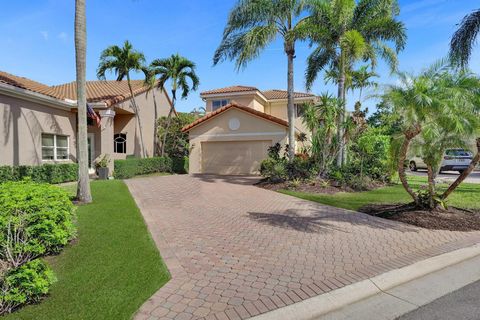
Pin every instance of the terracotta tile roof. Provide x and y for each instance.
(27, 84)
(237, 106)
(282, 94)
(231, 89)
(269, 94)
(110, 92)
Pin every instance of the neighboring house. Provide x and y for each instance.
(240, 124)
(39, 122)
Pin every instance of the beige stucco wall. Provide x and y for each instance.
(252, 128)
(251, 101)
(21, 127)
(127, 123)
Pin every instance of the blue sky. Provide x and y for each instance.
(37, 39)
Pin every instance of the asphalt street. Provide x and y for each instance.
(450, 176)
(462, 304)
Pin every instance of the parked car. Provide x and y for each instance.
(453, 160)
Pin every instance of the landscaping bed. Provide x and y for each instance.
(453, 219)
(314, 186)
(112, 267)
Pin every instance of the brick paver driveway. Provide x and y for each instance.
(235, 250)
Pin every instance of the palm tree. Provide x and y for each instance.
(438, 110)
(83, 187)
(412, 100)
(252, 25)
(361, 80)
(347, 31)
(179, 71)
(463, 40)
(122, 61)
(150, 82)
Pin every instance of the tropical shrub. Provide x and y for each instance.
(180, 165)
(24, 285)
(277, 168)
(370, 153)
(129, 168)
(49, 173)
(177, 142)
(274, 169)
(35, 219)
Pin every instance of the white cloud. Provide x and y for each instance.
(44, 35)
(62, 36)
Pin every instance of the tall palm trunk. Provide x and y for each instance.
(464, 174)
(137, 115)
(83, 186)
(409, 135)
(341, 118)
(155, 124)
(290, 50)
(169, 117)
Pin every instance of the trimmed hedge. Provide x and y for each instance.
(180, 165)
(129, 168)
(48, 173)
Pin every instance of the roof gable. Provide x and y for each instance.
(235, 106)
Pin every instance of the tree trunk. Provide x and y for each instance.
(83, 187)
(290, 104)
(431, 186)
(155, 124)
(137, 115)
(341, 118)
(409, 135)
(167, 125)
(464, 174)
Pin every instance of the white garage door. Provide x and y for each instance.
(233, 157)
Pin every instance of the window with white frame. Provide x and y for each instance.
(55, 147)
(120, 143)
(217, 104)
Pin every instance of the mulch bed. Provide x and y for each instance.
(453, 219)
(307, 187)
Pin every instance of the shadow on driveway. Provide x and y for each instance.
(320, 221)
(241, 180)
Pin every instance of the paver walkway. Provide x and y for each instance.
(236, 251)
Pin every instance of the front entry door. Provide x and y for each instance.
(91, 152)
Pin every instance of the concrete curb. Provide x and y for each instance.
(320, 305)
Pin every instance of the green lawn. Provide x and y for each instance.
(466, 196)
(112, 267)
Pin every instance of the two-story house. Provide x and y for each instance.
(240, 124)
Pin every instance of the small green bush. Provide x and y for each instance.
(277, 168)
(274, 170)
(129, 168)
(49, 173)
(24, 285)
(301, 168)
(180, 165)
(41, 217)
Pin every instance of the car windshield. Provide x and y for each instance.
(459, 153)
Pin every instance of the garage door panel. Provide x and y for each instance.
(234, 157)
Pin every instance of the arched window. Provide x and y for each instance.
(120, 143)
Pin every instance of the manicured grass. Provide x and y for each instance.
(112, 267)
(466, 196)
